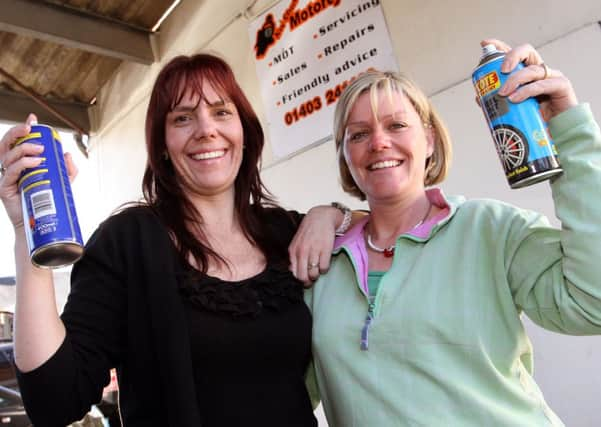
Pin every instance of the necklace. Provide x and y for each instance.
(389, 251)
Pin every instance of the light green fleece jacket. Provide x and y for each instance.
(446, 343)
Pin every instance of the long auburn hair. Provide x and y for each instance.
(161, 187)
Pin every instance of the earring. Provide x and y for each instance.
(165, 155)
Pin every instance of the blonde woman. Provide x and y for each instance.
(417, 322)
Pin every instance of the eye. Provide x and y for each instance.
(397, 125)
(223, 112)
(358, 135)
(180, 119)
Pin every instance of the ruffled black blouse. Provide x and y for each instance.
(251, 346)
(272, 289)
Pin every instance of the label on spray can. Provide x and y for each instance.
(51, 226)
(521, 136)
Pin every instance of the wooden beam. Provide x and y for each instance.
(70, 28)
(14, 107)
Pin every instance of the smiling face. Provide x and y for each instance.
(386, 147)
(204, 139)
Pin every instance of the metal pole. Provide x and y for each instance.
(37, 98)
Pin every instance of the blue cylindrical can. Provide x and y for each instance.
(51, 226)
(521, 136)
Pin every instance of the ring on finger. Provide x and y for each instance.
(545, 69)
(312, 265)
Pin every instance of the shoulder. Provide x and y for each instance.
(280, 218)
(134, 237)
(494, 215)
(494, 207)
(131, 215)
(130, 223)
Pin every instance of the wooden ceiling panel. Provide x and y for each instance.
(98, 77)
(139, 13)
(38, 58)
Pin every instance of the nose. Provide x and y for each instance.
(379, 140)
(205, 127)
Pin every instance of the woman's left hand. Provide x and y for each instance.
(311, 249)
(553, 90)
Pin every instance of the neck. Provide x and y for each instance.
(217, 212)
(389, 220)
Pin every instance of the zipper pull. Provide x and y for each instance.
(365, 333)
(366, 326)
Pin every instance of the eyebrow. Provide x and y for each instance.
(182, 108)
(396, 114)
(188, 108)
(218, 103)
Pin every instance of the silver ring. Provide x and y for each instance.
(545, 69)
(312, 265)
(2, 170)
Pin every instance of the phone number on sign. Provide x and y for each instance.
(303, 110)
(307, 108)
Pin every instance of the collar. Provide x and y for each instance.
(435, 196)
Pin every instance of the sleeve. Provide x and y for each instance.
(283, 224)
(295, 218)
(555, 275)
(65, 386)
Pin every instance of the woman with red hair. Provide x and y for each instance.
(189, 294)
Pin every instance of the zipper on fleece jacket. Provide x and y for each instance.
(371, 308)
(371, 301)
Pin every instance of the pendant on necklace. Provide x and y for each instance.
(387, 252)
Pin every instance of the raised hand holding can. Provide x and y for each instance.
(521, 136)
(51, 226)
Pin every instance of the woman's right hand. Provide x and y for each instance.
(553, 90)
(14, 160)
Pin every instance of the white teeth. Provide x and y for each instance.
(384, 164)
(209, 155)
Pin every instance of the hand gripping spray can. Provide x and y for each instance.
(51, 226)
(520, 134)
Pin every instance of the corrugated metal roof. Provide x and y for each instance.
(46, 49)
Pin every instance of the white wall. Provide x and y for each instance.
(437, 43)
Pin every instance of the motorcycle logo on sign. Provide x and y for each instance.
(269, 34)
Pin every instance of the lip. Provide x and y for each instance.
(208, 154)
(384, 164)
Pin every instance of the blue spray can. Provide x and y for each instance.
(521, 136)
(51, 227)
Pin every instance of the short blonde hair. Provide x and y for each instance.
(437, 165)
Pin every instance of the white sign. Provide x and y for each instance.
(307, 52)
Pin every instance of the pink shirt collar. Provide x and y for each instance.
(435, 196)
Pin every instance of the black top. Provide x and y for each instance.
(125, 310)
(251, 345)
